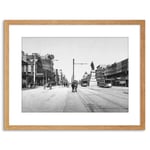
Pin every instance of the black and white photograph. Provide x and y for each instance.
(75, 74)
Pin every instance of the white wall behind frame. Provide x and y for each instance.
(66, 9)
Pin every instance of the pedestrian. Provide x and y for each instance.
(72, 85)
(75, 86)
(50, 85)
(45, 85)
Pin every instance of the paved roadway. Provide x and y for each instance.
(87, 99)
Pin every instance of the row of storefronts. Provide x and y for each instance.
(116, 72)
(39, 70)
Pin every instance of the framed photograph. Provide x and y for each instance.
(74, 74)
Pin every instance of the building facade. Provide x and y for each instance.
(37, 70)
(116, 72)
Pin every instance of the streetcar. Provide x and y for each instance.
(84, 83)
(106, 83)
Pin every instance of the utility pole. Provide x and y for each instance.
(34, 69)
(73, 70)
(73, 76)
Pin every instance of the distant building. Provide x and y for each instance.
(86, 77)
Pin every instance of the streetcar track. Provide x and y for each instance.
(109, 93)
(93, 105)
(84, 102)
(99, 107)
(108, 100)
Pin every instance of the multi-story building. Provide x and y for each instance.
(36, 70)
(47, 68)
(24, 69)
(99, 74)
(117, 72)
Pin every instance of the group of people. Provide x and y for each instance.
(49, 85)
(66, 84)
(74, 85)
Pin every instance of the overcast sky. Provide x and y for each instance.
(84, 50)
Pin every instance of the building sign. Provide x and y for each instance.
(122, 82)
(39, 74)
(47, 65)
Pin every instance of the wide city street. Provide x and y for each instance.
(86, 99)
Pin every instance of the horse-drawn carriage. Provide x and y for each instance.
(74, 85)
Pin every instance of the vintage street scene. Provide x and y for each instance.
(75, 74)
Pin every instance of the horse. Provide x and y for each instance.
(74, 86)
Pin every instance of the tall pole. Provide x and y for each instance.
(73, 76)
(46, 76)
(73, 69)
(34, 70)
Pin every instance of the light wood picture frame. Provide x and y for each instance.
(9, 117)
